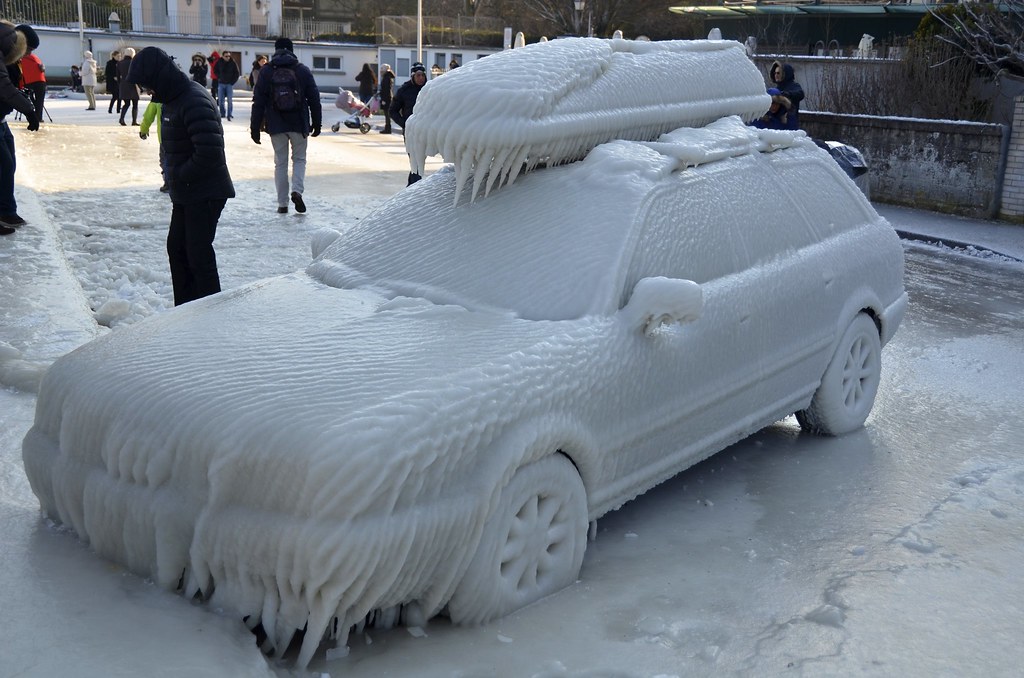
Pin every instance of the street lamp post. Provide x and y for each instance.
(579, 4)
(81, 31)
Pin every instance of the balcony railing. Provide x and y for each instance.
(64, 13)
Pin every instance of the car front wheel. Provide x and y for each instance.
(532, 544)
(847, 391)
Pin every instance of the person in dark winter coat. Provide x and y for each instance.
(405, 100)
(113, 83)
(287, 128)
(129, 92)
(33, 72)
(227, 74)
(254, 75)
(192, 139)
(198, 69)
(13, 45)
(367, 83)
(783, 77)
(387, 95)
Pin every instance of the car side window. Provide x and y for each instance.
(716, 220)
(834, 205)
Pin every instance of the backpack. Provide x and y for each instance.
(284, 88)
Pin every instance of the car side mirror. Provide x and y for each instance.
(659, 301)
(322, 239)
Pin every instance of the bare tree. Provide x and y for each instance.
(991, 37)
(931, 80)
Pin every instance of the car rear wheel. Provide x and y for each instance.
(847, 391)
(532, 544)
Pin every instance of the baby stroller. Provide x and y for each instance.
(347, 101)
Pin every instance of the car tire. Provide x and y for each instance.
(847, 391)
(532, 544)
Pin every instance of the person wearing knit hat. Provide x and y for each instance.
(89, 71)
(31, 37)
(284, 43)
(405, 100)
(13, 45)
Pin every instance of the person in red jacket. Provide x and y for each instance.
(33, 79)
(214, 83)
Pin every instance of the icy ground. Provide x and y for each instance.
(892, 551)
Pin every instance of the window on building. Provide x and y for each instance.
(224, 13)
(329, 64)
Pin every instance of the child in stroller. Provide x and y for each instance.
(349, 102)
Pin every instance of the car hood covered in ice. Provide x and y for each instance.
(292, 431)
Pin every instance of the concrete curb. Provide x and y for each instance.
(952, 243)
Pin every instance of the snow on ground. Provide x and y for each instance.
(892, 551)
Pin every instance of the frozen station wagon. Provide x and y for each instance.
(427, 419)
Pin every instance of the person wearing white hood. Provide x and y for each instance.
(89, 79)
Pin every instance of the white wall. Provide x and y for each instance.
(59, 48)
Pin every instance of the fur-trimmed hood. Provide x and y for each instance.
(13, 44)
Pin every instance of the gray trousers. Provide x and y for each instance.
(281, 142)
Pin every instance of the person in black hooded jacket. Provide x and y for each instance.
(192, 139)
(783, 77)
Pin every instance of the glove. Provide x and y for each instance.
(143, 135)
(315, 132)
(33, 122)
(255, 134)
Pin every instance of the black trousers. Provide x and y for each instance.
(190, 249)
(385, 108)
(115, 99)
(135, 109)
(38, 91)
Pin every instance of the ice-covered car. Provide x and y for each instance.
(427, 418)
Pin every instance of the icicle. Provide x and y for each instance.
(517, 164)
(497, 168)
(478, 176)
(561, 118)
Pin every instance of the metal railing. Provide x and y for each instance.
(64, 13)
(441, 30)
(393, 30)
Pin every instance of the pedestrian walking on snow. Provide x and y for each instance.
(113, 83)
(405, 100)
(286, 102)
(89, 71)
(129, 92)
(387, 95)
(227, 75)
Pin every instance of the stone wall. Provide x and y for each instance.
(938, 165)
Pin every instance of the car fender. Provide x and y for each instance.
(861, 299)
(527, 441)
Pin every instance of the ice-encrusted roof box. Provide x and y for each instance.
(427, 417)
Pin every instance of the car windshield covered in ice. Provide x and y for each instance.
(426, 419)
